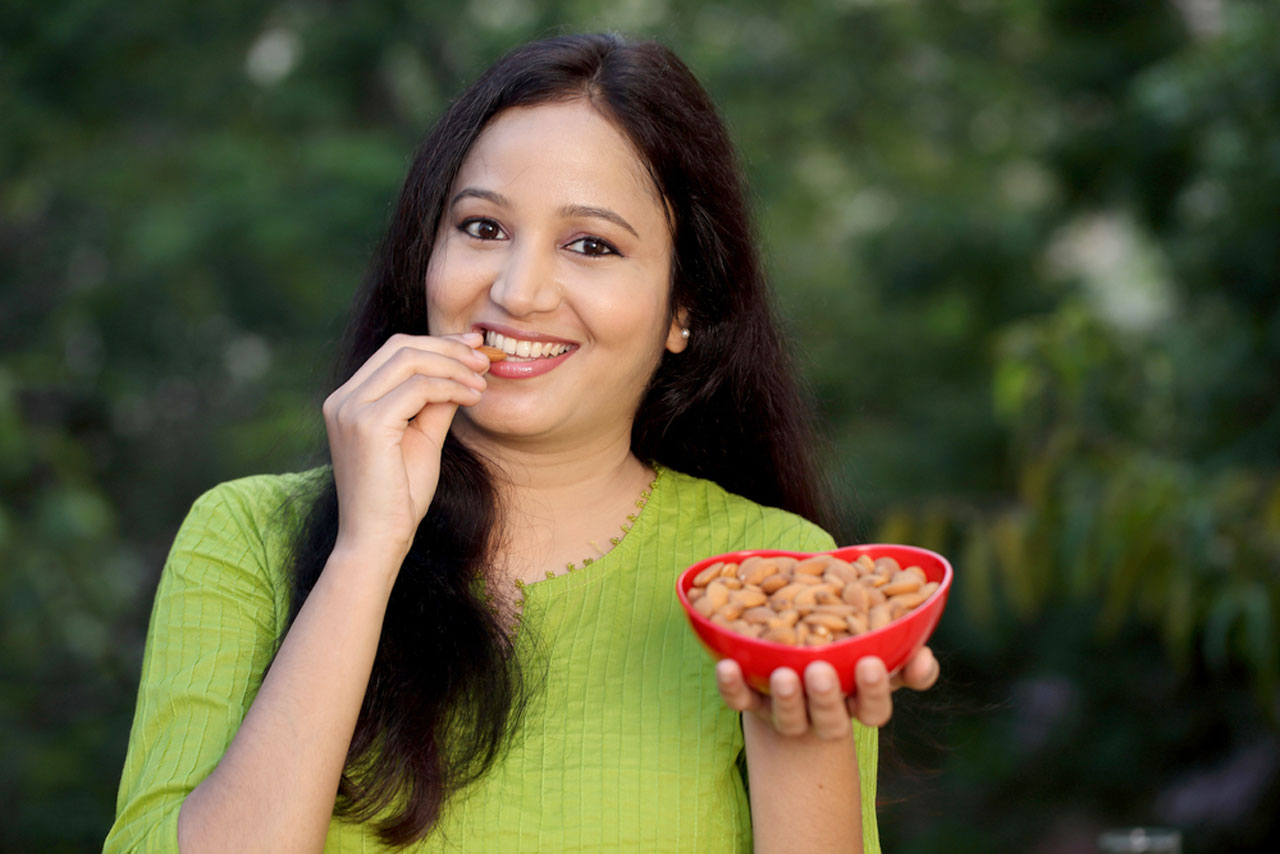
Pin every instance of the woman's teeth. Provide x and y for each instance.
(523, 349)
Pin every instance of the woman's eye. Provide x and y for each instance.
(483, 229)
(592, 246)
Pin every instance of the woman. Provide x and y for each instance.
(479, 644)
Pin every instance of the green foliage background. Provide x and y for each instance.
(1030, 250)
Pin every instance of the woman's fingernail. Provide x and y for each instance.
(473, 337)
(821, 681)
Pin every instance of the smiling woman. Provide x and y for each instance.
(462, 635)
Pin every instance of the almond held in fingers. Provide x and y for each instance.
(492, 353)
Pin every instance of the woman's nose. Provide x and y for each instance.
(526, 282)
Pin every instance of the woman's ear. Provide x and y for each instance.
(679, 333)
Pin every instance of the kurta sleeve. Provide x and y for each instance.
(212, 634)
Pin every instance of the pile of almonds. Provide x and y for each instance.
(808, 602)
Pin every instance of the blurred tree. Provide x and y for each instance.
(1143, 415)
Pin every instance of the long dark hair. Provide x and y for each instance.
(445, 692)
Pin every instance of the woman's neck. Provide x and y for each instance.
(558, 506)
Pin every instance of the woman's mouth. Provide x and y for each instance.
(519, 349)
(526, 358)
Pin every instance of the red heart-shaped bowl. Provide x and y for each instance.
(893, 644)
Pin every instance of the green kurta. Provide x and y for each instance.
(626, 745)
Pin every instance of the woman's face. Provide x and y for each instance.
(554, 244)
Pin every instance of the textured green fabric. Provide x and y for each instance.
(625, 747)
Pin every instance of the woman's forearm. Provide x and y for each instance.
(275, 786)
(805, 794)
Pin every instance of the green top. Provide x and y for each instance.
(626, 745)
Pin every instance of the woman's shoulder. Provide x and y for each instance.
(260, 493)
(262, 508)
(704, 504)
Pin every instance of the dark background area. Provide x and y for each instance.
(1029, 251)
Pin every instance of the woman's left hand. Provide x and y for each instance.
(817, 705)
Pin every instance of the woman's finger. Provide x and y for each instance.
(458, 347)
(408, 363)
(920, 672)
(734, 690)
(789, 714)
(873, 702)
(827, 710)
(408, 400)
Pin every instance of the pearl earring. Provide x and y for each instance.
(684, 333)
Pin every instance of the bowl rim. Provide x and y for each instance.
(816, 651)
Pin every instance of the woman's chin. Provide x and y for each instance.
(542, 430)
(499, 425)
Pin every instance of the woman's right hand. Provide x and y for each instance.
(386, 427)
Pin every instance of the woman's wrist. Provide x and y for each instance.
(805, 790)
(379, 561)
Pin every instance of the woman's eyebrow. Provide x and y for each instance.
(475, 192)
(577, 211)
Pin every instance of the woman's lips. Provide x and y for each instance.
(526, 354)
